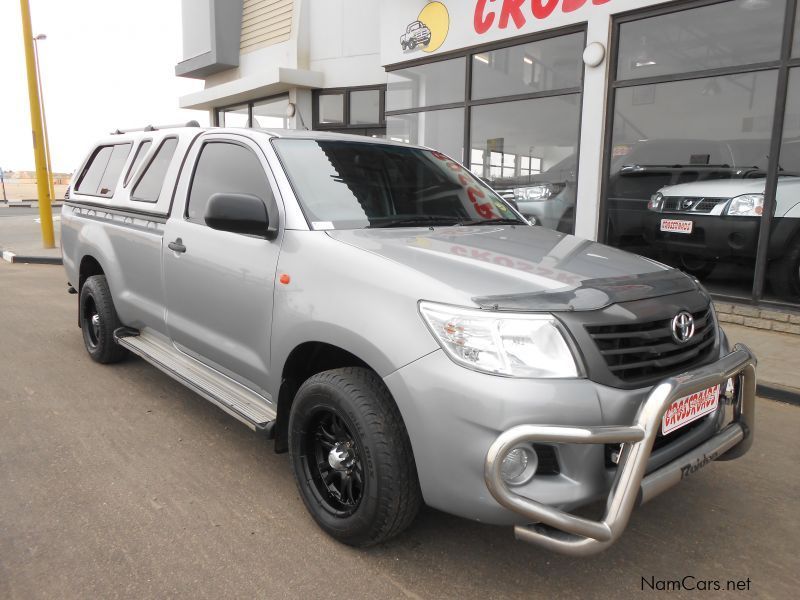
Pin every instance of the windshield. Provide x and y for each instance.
(357, 185)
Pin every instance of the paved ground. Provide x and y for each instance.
(13, 211)
(20, 232)
(118, 482)
(778, 354)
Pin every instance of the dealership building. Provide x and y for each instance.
(579, 111)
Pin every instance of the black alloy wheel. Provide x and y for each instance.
(352, 458)
(333, 462)
(98, 320)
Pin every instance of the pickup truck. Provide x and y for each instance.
(402, 331)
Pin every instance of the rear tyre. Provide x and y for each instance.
(784, 273)
(694, 265)
(99, 320)
(351, 457)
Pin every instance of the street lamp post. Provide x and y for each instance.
(43, 190)
(51, 185)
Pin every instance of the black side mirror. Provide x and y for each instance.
(239, 213)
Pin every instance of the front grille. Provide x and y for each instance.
(646, 350)
(690, 205)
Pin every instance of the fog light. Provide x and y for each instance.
(519, 466)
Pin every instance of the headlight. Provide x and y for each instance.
(749, 205)
(545, 191)
(656, 201)
(516, 345)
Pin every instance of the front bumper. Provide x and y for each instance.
(558, 530)
(713, 236)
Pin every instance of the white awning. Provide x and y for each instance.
(270, 81)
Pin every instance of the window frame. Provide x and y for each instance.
(130, 172)
(264, 167)
(143, 169)
(90, 162)
(345, 125)
(782, 65)
(249, 104)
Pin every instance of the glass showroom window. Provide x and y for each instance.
(235, 116)
(263, 113)
(689, 147)
(440, 129)
(268, 114)
(783, 253)
(356, 111)
(419, 104)
(520, 121)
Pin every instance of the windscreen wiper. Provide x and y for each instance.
(495, 221)
(422, 220)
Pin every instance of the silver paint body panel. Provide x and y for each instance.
(221, 303)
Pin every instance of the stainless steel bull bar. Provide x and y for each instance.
(563, 532)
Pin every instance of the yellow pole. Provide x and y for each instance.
(43, 189)
(49, 162)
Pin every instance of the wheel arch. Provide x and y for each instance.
(305, 360)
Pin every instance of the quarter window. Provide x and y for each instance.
(102, 173)
(225, 168)
(141, 151)
(148, 189)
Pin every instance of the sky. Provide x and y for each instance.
(105, 64)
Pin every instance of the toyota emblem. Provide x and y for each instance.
(683, 327)
(687, 203)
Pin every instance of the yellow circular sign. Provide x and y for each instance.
(436, 17)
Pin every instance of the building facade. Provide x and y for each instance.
(580, 111)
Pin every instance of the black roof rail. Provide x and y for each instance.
(192, 123)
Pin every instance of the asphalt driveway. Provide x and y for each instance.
(119, 482)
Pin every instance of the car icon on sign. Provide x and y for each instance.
(417, 34)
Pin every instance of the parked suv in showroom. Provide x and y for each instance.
(638, 170)
(548, 198)
(402, 331)
(698, 224)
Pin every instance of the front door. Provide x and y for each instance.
(219, 284)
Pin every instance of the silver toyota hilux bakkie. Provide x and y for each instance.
(402, 331)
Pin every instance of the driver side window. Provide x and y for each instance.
(225, 167)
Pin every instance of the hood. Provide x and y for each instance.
(521, 268)
(716, 188)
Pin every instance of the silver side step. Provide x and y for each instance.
(238, 401)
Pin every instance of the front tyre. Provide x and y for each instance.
(99, 320)
(695, 265)
(351, 457)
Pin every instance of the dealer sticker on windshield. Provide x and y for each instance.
(689, 408)
(676, 226)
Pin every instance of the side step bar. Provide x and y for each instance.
(250, 408)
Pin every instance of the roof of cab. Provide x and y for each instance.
(305, 134)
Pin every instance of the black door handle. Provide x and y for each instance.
(177, 246)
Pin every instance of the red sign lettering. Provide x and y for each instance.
(570, 5)
(482, 23)
(542, 9)
(512, 10)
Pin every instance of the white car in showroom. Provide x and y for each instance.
(699, 223)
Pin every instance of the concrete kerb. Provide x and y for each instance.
(13, 257)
